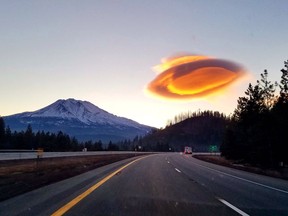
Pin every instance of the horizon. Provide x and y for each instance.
(107, 53)
(62, 99)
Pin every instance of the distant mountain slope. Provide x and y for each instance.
(78, 118)
(200, 132)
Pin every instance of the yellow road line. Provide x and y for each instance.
(76, 200)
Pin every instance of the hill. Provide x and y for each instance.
(200, 131)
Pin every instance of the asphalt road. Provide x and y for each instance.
(163, 184)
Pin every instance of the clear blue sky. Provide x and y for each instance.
(104, 51)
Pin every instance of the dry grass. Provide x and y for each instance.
(20, 176)
(281, 173)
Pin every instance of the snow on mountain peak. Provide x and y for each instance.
(82, 111)
(81, 119)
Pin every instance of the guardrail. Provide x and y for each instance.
(206, 153)
(11, 154)
(32, 154)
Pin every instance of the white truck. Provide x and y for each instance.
(187, 150)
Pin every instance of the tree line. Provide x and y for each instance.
(257, 130)
(28, 140)
(187, 115)
(45, 140)
(199, 130)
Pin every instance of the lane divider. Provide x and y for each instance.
(76, 200)
(233, 207)
(177, 170)
(246, 180)
(239, 211)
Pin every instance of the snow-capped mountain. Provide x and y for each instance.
(78, 118)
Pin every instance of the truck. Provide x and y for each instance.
(187, 150)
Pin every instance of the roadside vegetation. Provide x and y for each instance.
(41, 139)
(257, 131)
(20, 176)
(201, 130)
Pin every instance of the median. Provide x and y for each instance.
(20, 176)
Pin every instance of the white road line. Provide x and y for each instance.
(177, 170)
(233, 207)
(252, 182)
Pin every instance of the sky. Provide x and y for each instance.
(105, 51)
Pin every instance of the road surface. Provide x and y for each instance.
(162, 184)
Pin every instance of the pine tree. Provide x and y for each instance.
(284, 84)
(249, 133)
(29, 138)
(280, 117)
(268, 90)
(2, 132)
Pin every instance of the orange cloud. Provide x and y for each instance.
(193, 76)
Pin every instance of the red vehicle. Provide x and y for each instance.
(187, 150)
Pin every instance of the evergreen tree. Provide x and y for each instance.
(8, 138)
(74, 144)
(2, 132)
(284, 83)
(29, 138)
(112, 147)
(243, 137)
(63, 142)
(280, 116)
(98, 146)
(268, 90)
(256, 133)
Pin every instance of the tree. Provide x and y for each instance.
(112, 147)
(89, 145)
(280, 117)
(74, 144)
(63, 142)
(257, 131)
(29, 138)
(248, 137)
(2, 132)
(8, 138)
(98, 146)
(268, 90)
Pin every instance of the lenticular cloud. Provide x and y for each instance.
(193, 77)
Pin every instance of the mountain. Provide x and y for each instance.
(201, 131)
(81, 119)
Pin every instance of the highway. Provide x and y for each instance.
(161, 184)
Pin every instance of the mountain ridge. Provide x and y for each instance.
(71, 115)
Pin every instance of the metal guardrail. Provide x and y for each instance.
(206, 153)
(10, 154)
(30, 154)
(17, 150)
(34, 154)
